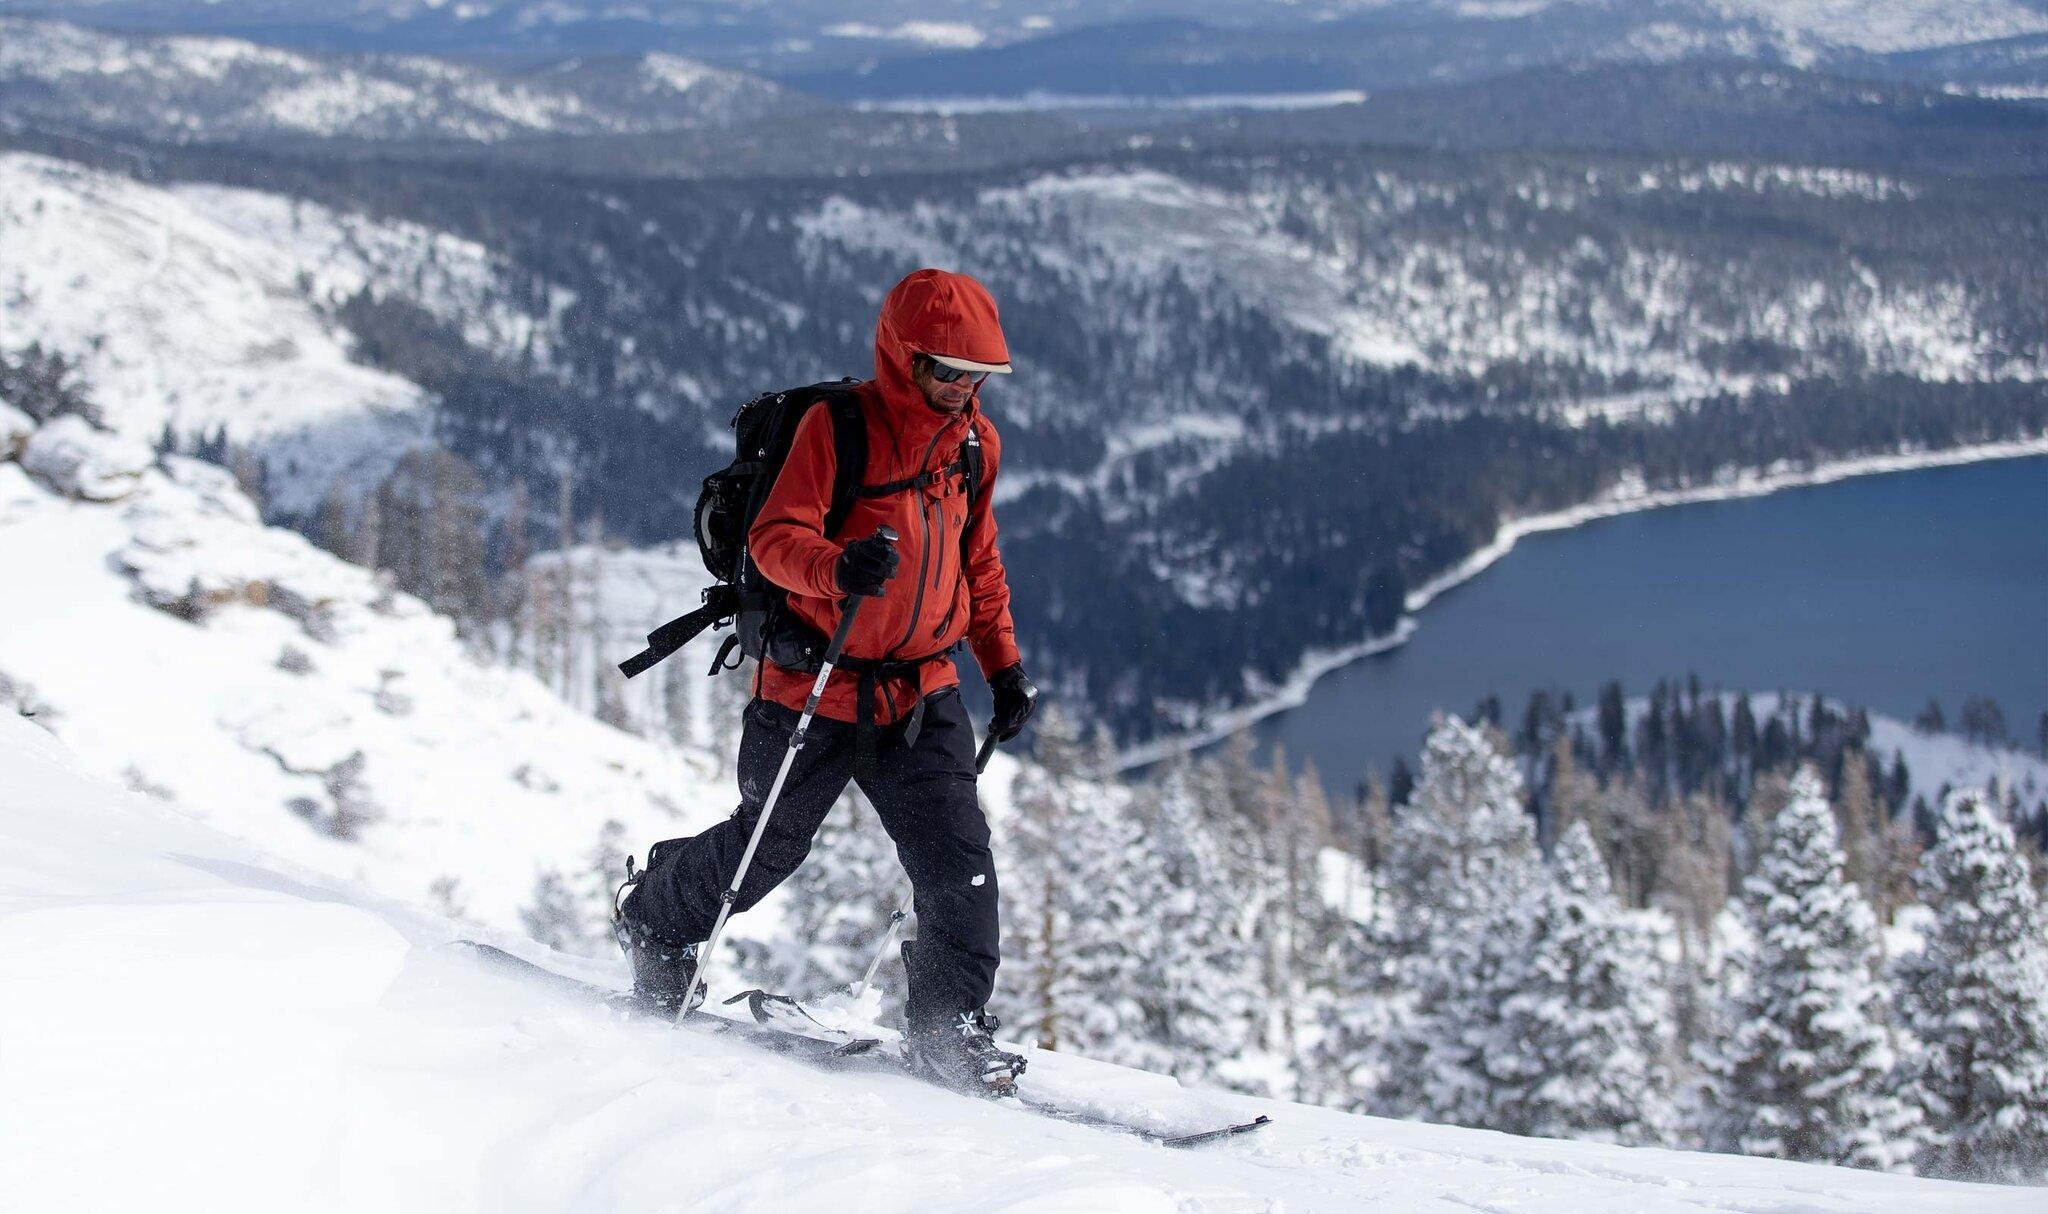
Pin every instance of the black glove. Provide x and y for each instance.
(865, 564)
(1015, 698)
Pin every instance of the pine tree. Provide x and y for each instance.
(1112, 887)
(432, 532)
(1584, 1033)
(1038, 869)
(1197, 993)
(1375, 823)
(1878, 851)
(1362, 1003)
(1458, 879)
(1693, 878)
(1294, 823)
(1975, 998)
(605, 868)
(1798, 1068)
(1571, 795)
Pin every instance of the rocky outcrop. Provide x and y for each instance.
(74, 459)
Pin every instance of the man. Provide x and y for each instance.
(891, 716)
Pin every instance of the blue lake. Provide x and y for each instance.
(1881, 590)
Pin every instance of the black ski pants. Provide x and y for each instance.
(924, 793)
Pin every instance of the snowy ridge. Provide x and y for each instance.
(310, 1046)
(1392, 300)
(201, 308)
(186, 87)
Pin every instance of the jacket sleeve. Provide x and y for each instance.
(990, 630)
(788, 536)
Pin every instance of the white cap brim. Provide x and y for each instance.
(964, 364)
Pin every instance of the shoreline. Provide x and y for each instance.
(1625, 498)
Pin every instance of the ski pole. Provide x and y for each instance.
(896, 919)
(796, 743)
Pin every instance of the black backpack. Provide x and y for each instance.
(763, 430)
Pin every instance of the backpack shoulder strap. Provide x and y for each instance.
(849, 456)
(970, 458)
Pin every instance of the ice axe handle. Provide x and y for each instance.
(988, 747)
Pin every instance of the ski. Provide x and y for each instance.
(1035, 1103)
(844, 1052)
(782, 1026)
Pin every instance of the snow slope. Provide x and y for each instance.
(293, 699)
(194, 1025)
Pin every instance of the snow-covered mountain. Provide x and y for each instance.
(1216, 52)
(1148, 47)
(200, 310)
(244, 1032)
(1876, 25)
(216, 88)
(1321, 258)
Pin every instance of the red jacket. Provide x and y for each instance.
(933, 601)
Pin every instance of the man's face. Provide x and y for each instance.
(946, 398)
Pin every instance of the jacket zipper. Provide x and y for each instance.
(951, 611)
(924, 557)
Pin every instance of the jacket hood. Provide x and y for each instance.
(934, 312)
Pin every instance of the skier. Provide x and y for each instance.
(891, 717)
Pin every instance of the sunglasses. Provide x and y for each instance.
(949, 375)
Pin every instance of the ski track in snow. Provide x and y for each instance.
(244, 1034)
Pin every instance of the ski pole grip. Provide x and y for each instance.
(887, 534)
(852, 608)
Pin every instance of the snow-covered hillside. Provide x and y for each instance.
(194, 1024)
(205, 309)
(183, 87)
(295, 700)
(1395, 271)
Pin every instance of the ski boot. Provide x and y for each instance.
(964, 1056)
(662, 972)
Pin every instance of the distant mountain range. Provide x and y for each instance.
(658, 114)
(194, 87)
(896, 48)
